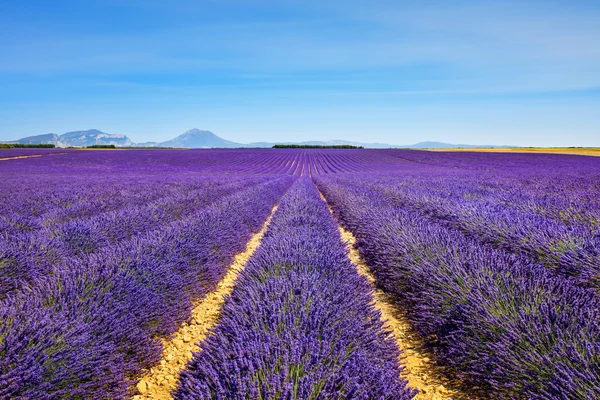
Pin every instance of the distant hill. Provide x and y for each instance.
(196, 138)
(77, 139)
(94, 137)
(441, 145)
(46, 138)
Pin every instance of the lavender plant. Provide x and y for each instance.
(29, 255)
(501, 323)
(494, 257)
(299, 323)
(91, 327)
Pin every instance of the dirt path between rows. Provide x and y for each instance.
(178, 350)
(419, 369)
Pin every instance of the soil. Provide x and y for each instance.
(160, 380)
(419, 368)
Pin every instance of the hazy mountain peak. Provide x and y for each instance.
(46, 138)
(197, 131)
(196, 138)
(91, 137)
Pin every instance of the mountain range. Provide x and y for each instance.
(195, 138)
(77, 139)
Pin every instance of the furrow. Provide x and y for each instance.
(419, 370)
(178, 350)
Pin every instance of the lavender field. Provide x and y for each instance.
(225, 274)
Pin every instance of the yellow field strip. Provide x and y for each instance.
(419, 370)
(177, 351)
(583, 151)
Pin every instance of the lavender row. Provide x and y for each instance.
(564, 187)
(93, 198)
(565, 200)
(203, 161)
(33, 203)
(299, 323)
(572, 250)
(27, 256)
(549, 165)
(20, 152)
(503, 325)
(93, 325)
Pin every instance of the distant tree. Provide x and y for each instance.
(101, 146)
(32, 146)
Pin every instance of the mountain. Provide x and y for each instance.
(195, 138)
(77, 139)
(46, 138)
(441, 145)
(94, 136)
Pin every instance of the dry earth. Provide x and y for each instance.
(419, 369)
(160, 380)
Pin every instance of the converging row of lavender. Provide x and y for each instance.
(492, 258)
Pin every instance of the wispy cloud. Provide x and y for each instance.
(298, 54)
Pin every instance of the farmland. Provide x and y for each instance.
(586, 151)
(298, 274)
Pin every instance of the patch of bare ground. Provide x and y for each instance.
(419, 368)
(17, 157)
(160, 380)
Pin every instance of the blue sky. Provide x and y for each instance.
(480, 72)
